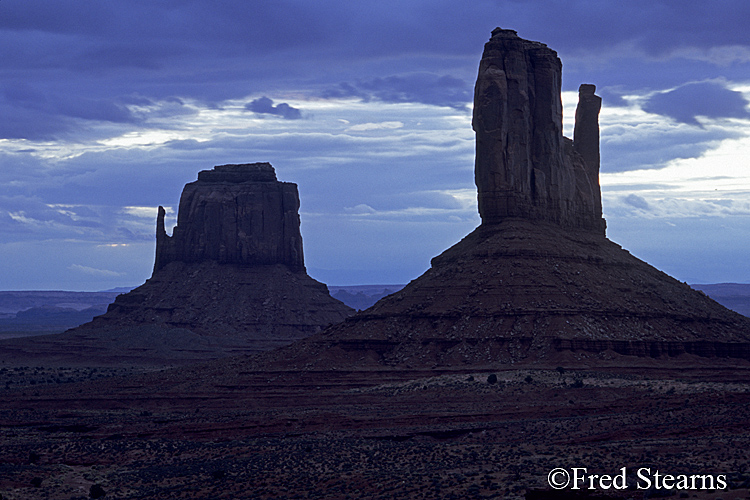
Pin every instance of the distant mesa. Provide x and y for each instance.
(362, 296)
(537, 282)
(230, 280)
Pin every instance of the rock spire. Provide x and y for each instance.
(524, 166)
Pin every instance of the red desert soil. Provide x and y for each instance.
(227, 430)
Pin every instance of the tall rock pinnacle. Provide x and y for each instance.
(524, 166)
(586, 136)
(234, 214)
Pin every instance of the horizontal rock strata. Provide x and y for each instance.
(525, 292)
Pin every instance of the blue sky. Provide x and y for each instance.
(109, 107)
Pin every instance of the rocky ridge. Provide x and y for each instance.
(522, 292)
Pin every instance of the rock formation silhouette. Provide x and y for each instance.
(234, 214)
(230, 280)
(233, 268)
(524, 166)
(537, 281)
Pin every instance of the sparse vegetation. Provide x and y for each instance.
(474, 454)
(97, 491)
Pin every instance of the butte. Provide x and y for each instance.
(538, 281)
(230, 280)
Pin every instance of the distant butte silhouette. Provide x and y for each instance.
(537, 281)
(230, 280)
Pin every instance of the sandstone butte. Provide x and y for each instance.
(230, 280)
(538, 281)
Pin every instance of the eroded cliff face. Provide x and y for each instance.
(234, 214)
(524, 166)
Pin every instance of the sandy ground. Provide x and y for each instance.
(221, 432)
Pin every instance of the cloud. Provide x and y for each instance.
(724, 55)
(425, 88)
(655, 28)
(105, 273)
(34, 114)
(634, 139)
(108, 105)
(636, 201)
(29, 215)
(91, 58)
(360, 209)
(653, 145)
(363, 127)
(654, 205)
(29, 219)
(708, 99)
(264, 105)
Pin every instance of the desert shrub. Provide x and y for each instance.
(492, 379)
(96, 491)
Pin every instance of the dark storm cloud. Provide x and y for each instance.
(709, 99)
(425, 88)
(30, 113)
(657, 28)
(97, 52)
(147, 56)
(81, 71)
(265, 106)
(30, 124)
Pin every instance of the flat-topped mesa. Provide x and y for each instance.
(238, 214)
(524, 166)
